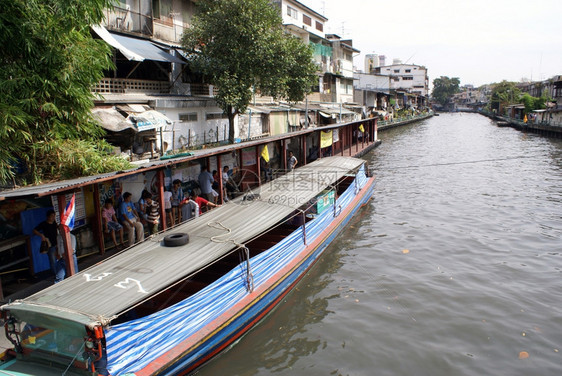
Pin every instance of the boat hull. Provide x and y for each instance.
(228, 328)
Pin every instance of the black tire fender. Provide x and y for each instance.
(176, 240)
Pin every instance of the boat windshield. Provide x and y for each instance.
(59, 343)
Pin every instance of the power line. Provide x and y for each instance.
(462, 162)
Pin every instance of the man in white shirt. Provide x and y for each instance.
(206, 183)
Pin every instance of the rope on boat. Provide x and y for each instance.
(73, 359)
(246, 252)
(249, 276)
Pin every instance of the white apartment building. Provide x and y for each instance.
(309, 25)
(372, 90)
(301, 21)
(411, 78)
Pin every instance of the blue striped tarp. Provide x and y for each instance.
(133, 345)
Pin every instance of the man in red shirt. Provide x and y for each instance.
(202, 202)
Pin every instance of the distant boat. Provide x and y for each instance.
(172, 302)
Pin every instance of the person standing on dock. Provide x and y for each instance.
(176, 199)
(47, 230)
(292, 161)
(152, 215)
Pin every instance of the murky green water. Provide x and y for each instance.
(453, 269)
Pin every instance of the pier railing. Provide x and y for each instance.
(402, 120)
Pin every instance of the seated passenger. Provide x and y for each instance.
(110, 223)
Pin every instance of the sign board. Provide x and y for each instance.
(324, 200)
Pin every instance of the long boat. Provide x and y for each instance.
(169, 304)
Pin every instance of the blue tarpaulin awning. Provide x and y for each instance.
(136, 49)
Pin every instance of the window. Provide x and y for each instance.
(188, 117)
(292, 12)
(161, 8)
(408, 78)
(156, 9)
(306, 20)
(214, 116)
(319, 26)
(348, 57)
(408, 70)
(397, 71)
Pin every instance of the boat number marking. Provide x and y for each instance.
(129, 282)
(99, 277)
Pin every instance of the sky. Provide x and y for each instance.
(478, 41)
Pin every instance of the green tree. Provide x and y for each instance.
(48, 64)
(240, 46)
(444, 88)
(534, 103)
(504, 94)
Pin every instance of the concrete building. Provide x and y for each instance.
(373, 90)
(309, 25)
(470, 97)
(301, 20)
(372, 61)
(402, 86)
(152, 75)
(552, 88)
(342, 76)
(409, 77)
(332, 54)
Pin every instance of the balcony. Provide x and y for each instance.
(125, 20)
(128, 86)
(169, 29)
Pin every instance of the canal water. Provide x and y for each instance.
(454, 268)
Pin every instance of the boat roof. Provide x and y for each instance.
(99, 294)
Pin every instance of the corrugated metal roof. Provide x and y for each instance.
(135, 49)
(55, 187)
(102, 292)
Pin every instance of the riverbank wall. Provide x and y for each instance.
(388, 124)
(538, 128)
